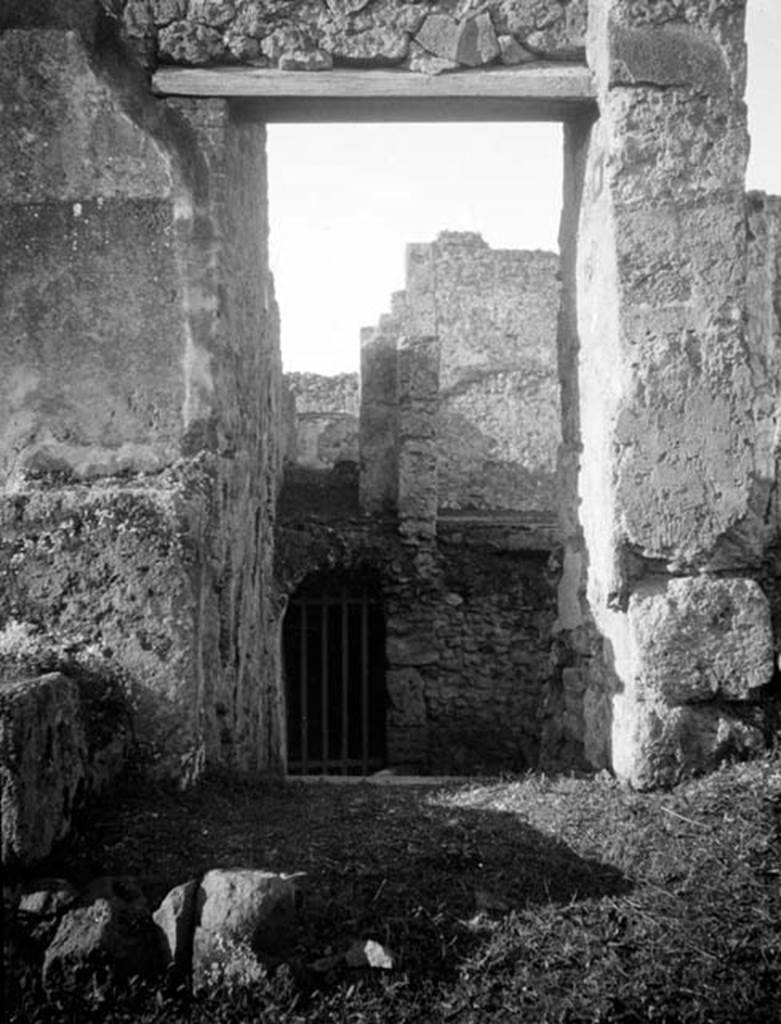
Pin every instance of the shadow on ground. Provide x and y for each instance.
(405, 865)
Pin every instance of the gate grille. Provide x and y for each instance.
(334, 650)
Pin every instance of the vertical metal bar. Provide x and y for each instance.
(345, 612)
(365, 682)
(324, 687)
(304, 692)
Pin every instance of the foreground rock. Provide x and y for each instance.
(240, 913)
(175, 917)
(62, 737)
(108, 938)
(42, 906)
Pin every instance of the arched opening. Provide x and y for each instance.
(334, 660)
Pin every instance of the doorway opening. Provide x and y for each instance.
(334, 658)
(340, 224)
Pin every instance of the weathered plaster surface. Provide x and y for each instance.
(462, 376)
(498, 422)
(670, 157)
(141, 376)
(672, 421)
(93, 387)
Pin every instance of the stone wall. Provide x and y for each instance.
(668, 407)
(498, 422)
(139, 447)
(324, 418)
(140, 464)
(492, 427)
(763, 300)
(468, 621)
(422, 35)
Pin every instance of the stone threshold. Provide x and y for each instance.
(383, 779)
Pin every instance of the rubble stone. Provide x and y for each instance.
(427, 63)
(310, 60)
(439, 34)
(477, 43)
(41, 906)
(184, 42)
(352, 31)
(107, 940)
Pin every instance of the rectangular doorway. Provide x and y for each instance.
(334, 651)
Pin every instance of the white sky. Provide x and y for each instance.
(346, 199)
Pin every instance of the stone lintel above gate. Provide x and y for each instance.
(533, 92)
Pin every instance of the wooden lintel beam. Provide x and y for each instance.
(532, 92)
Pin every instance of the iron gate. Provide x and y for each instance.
(334, 648)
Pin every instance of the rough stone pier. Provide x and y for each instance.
(144, 565)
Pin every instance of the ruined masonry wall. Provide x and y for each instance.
(313, 35)
(151, 497)
(460, 380)
(498, 421)
(324, 418)
(468, 623)
(140, 390)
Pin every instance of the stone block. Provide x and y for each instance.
(43, 762)
(656, 745)
(698, 638)
(244, 904)
(471, 42)
(668, 55)
(477, 42)
(439, 34)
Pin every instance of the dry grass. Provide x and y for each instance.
(538, 899)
